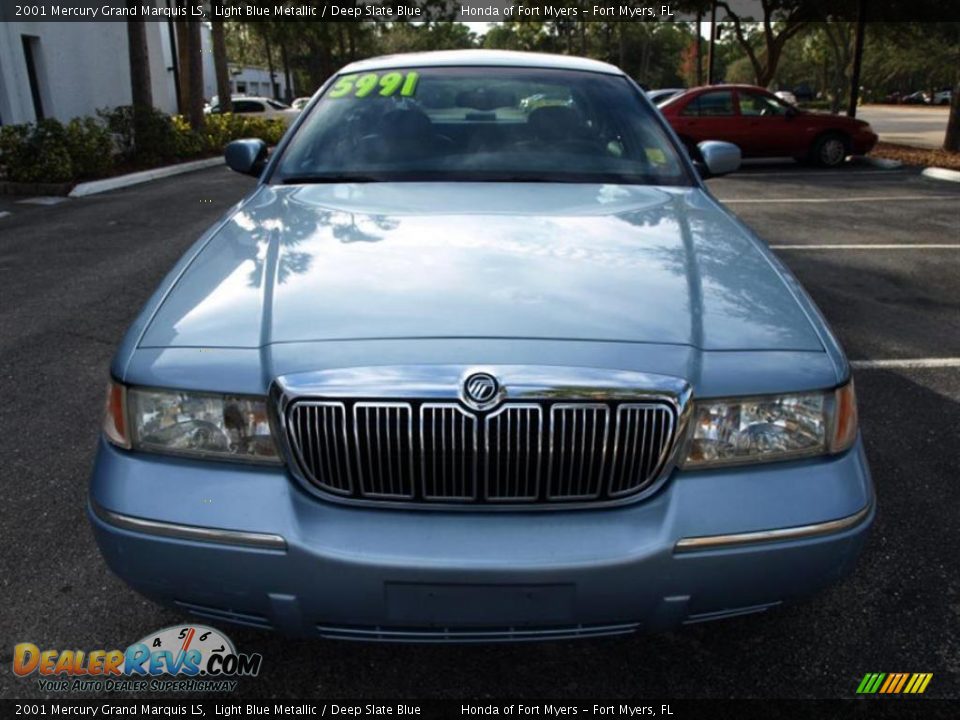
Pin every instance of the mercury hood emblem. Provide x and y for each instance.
(481, 391)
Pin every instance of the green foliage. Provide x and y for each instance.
(85, 148)
(90, 148)
(147, 138)
(220, 129)
(33, 153)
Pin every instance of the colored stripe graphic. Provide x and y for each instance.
(894, 683)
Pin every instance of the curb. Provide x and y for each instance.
(884, 163)
(938, 173)
(121, 181)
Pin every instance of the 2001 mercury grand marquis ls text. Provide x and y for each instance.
(479, 358)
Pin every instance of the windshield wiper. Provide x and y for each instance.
(344, 178)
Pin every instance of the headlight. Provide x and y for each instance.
(741, 430)
(221, 427)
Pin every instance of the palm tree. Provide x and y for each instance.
(220, 63)
(140, 92)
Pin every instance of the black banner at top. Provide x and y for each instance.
(479, 10)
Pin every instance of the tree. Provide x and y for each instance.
(951, 141)
(220, 63)
(194, 71)
(140, 91)
(782, 19)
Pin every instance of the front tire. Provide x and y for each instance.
(830, 150)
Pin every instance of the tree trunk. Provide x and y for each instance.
(861, 31)
(195, 75)
(183, 63)
(710, 47)
(140, 91)
(699, 48)
(141, 94)
(266, 46)
(220, 64)
(288, 94)
(621, 44)
(951, 141)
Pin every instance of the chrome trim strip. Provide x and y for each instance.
(445, 382)
(713, 542)
(262, 541)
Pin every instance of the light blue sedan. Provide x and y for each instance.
(463, 370)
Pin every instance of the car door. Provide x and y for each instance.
(769, 130)
(710, 115)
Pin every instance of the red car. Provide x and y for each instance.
(762, 125)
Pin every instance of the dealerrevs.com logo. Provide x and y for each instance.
(178, 658)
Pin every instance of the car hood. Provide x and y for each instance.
(485, 260)
(826, 119)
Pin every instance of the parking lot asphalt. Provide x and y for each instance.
(918, 125)
(73, 275)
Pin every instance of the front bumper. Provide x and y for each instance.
(710, 544)
(863, 142)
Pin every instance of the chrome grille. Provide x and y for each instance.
(448, 452)
(383, 443)
(578, 439)
(643, 438)
(513, 448)
(543, 452)
(318, 436)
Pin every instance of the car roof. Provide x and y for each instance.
(730, 86)
(481, 58)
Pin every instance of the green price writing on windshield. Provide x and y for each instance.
(373, 84)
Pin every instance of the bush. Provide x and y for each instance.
(220, 129)
(90, 148)
(188, 142)
(153, 142)
(33, 153)
(85, 148)
(268, 130)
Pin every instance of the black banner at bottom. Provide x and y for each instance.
(444, 709)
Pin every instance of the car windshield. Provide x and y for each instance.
(481, 124)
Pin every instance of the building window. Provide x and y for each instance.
(31, 55)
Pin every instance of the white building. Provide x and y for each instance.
(70, 69)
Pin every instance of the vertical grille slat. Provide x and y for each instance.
(644, 435)
(319, 440)
(448, 452)
(521, 452)
(513, 453)
(384, 454)
(577, 454)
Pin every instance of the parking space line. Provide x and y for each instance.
(4, 213)
(875, 246)
(744, 175)
(906, 364)
(832, 200)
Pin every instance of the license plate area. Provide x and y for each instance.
(479, 605)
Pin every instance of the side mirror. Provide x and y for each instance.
(791, 112)
(247, 156)
(719, 158)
